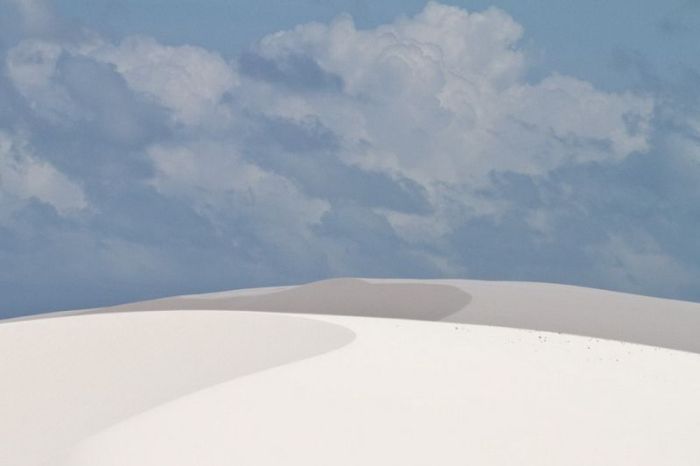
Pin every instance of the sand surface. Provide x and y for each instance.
(419, 393)
(536, 306)
(130, 385)
(65, 379)
(583, 311)
(345, 296)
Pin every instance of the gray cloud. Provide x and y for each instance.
(297, 72)
(306, 152)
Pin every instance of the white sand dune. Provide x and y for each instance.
(345, 296)
(411, 393)
(65, 379)
(536, 306)
(198, 387)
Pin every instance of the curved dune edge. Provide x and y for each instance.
(418, 393)
(567, 309)
(340, 296)
(66, 379)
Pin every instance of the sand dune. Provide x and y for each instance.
(65, 379)
(583, 311)
(345, 296)
(420, 393)
(115, 386)
(536, 306)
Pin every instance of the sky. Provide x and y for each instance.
(152, 148)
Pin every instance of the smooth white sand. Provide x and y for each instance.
(419, 393)
(536, 306)
(151, 388)
(65, 379)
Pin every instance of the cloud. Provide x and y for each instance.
(218, 181)
(24, 178)
(642, 264)
(36, 15)
(416, 148)
(31, 66)
(189, 81)
(441, 97)
(305, 153)
(295, 72)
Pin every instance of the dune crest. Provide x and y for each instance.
(535, 306)
(339, 296)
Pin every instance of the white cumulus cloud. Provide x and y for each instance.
(442, 98)
(188, 80)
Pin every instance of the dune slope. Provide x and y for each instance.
(523, 373)
(65, 379)
(419, 393)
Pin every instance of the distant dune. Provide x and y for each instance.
(353, 374)
(344, 296)
(536, 306)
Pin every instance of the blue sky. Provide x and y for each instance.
(154, 148)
